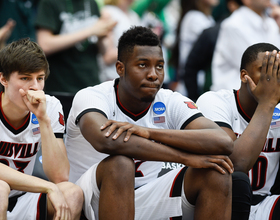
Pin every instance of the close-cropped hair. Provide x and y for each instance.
(23, 56)
(136, 36)
(251, 53)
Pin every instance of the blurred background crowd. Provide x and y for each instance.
(202, 40)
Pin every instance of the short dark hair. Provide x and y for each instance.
(23, 56)
(136, 35)
(251, 53)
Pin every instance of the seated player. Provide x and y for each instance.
(251, 118)
(30, 119)
(176, 132)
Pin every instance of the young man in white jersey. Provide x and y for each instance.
(251, 117)
(29, 119)
(178, 133)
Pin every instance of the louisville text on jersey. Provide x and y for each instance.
(17, 150)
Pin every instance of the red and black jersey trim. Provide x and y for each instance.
(176, 189)
(13, 202)
(275, 210)
(133, 116)
(239, 107)
(58, 135)
(275, 189)
(86, 111)
(7, 123)
(190, 120)
(223, 124)
(42, 207)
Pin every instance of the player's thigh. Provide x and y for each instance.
(268, 209)
(29, 206)
(91, 192)
(161, 198)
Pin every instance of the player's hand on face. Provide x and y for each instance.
(220, 163)
(268, 87)
(35, 101)
(61, 208)
(122, 127)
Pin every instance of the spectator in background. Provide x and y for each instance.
(200, 57)
(142, 6)
(69, 33)
(161, 16)
(5, 32)
(195, 17)
(246, 26)
(120, 11)
(22, 12)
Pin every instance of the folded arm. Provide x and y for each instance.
(144, 149)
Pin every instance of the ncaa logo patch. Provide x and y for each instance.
(276, 114)
(34, 120)
(159, 108)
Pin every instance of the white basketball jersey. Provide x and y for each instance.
(224, 108)
(169, 110)
(18, 146)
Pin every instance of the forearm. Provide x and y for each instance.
(144, 149)
(54, 43)
(55, 162)
(198, 141)
(249, 145)
(141, 148)
(23, 182)
(110, 51)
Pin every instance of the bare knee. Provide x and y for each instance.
(4, 188)
(206, 180)
(4, 195)
(119, 169)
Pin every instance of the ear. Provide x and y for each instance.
(243, 73)
(3, 80)
(120, 68)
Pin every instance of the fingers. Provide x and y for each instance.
(107, 124)
(126, 128)
(278, 70)
(264, 63)
(62, 213)
(275, 65)
(250, 82)
(121, 127)
(22, 92)
(113, 126)
(222, 164)
(218, 168)
(34, 97)
(272, 64)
